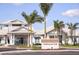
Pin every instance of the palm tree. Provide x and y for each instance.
(31, 19)
(45, 7)
(72, 28)
(58, 25)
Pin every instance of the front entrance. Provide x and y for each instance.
(8, 41)
(20, 39)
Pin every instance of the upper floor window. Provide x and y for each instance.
(25, 25)
(51, 36)
(16, 24)
(6, 25)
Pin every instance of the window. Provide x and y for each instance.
(6, 25)
(37, 39)
(56, 36)
(16, 24)
(25, 25)
(51, 36)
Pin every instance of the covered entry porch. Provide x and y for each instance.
(20, 38)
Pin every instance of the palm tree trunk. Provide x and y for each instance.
(30, 34)
(61, 36)
(45, 27)
(58, 35)
(28, 43)
(71, 34)
(66, 39)
(31, 27)
(74, 38)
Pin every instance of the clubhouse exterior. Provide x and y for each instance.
(15, 32)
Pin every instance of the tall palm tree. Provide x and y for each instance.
(58, 25)
(45, 7)
(31, 19)
(72, 28)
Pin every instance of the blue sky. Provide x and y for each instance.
(65, 12)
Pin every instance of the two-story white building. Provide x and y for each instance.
(15, 32)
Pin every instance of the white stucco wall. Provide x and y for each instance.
(50, 46)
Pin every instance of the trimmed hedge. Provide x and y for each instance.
(36, 46)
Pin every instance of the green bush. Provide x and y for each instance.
(36, 46)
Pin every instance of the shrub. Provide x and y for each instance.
(36, 46)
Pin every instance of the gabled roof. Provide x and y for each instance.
(21, 30)
(51, 28)
(41, 32)
(14, 22)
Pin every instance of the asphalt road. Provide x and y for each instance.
(44, 53)
(69, 52)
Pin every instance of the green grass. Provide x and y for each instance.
(70, 46)
(36, 47)
(22, 46)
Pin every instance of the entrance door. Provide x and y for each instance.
(21, 40)
(8, 41)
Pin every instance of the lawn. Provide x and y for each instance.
(34, 46)
(22, 46)
(70, 46)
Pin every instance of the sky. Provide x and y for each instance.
(67, 12)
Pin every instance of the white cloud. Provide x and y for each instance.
(71, 13)
(17, 4)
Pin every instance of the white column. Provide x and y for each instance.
(12, 39)
(5, 41)
(4, 38)
(28, 40)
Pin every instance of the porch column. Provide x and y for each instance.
(28, 39)
(5, 41)
(12, 39)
